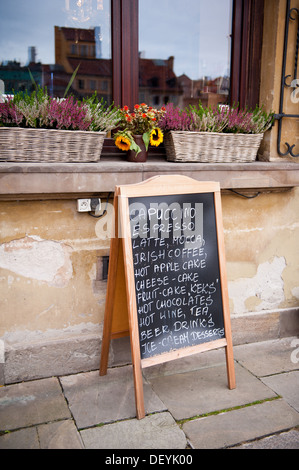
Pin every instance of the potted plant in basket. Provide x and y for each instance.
(220, 134)
(138, 129)
(38, 128)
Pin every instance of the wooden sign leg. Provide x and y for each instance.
(231, 378)
(114, 247)
(139, 398)
(109, 307)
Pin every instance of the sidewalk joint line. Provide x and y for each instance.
(180, 422)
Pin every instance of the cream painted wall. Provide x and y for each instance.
(50, 280)
(48, 267)
(261, 237)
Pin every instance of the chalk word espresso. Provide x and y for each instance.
(161, 220)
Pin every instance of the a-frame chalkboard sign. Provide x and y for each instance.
(167, 285)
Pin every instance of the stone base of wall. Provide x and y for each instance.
(256, 327)
(74, 352)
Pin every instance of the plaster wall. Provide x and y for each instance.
(51, 271)
(49, 267)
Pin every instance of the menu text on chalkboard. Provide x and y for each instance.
(176, 271)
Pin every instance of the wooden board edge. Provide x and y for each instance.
(183, 352)
(168, 185)
(224, 292)
(132, 307)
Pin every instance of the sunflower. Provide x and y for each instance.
(156, 137)
(122, 142)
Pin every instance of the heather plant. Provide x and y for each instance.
(208, 119)
(10, 115)
(101, 118)
(67, 115)
(32, 107)
(176, 119)
(231, 119)
(262, 120)
(220, 118)
(38, 110)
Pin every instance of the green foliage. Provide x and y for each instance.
(221, 118)
(38, 110)
(102, 118)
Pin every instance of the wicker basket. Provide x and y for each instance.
(185, 146)
(49, 145)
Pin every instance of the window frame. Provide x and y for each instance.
(125, 70)
(246, 52)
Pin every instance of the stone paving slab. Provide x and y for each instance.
(157, 431)
(26, 438)
(203, 360)
(286, 440)
(93, 399)
(30, 403)
(237, 426)
(194, 393)
(46, 413)
(59, 435)
(268, 357)
(286, 385)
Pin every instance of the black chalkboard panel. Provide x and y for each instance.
(176, 271)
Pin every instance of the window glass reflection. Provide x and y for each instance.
(53, 39)
(184, 51)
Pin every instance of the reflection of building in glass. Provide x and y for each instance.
(31, 54)
(209, 91)
(82, 48)
(17, 78)
(158, 83)
(98, 40)
(79, 47)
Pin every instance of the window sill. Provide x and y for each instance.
(68, 180)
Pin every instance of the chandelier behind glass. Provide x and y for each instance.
(82, 11)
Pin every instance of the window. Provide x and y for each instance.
(247, 35)
(104, 85)
(198, 49)
(83, 50)
(92, 85)
(188, 56)
(52, 39)
(242, 40)
(74, 49)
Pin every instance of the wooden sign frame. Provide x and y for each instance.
(121, 309)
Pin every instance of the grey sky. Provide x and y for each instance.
(25, 23)
(194, 31)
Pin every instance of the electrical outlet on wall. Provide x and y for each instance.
(83, 205)
(89, 205)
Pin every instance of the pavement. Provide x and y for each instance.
(188, 405)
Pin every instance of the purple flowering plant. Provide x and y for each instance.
(40, 111)
(220, 118)
(176, 119)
